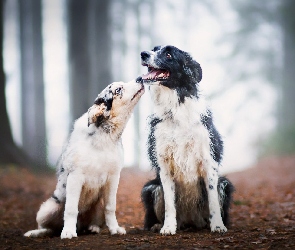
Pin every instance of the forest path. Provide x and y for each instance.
(262, 216)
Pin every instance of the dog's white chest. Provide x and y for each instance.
(184, 147)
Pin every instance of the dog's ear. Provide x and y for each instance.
(193, 68)
(100, 110)
(95, 114)
(156, 48)
(198, 71)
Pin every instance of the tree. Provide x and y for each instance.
(100, 46)
(284, 138)
(9, 152)
(276, 65)
(32, 84)
(286, 112)
(89, 52)
(79, 64)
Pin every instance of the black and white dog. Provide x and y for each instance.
(89, 169)
(184, 148)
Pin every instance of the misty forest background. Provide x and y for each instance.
(56, 56)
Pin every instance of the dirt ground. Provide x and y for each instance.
(262, 215)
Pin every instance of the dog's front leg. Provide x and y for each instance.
(110, 193)
(168, 184)
(216, 223)
(73, 190)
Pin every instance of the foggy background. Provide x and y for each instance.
(59, 54)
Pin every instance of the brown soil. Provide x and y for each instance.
(262, 215)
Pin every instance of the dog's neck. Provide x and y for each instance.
(115, 125)
(167, 105)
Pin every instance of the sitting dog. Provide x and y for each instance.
(89, 169)
(184, 148)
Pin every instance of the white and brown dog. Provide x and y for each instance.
(184, 148)
(89, 169)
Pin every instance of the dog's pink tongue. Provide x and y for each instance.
(154, 74)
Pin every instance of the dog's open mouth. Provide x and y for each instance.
(155, 74)
(138, 92)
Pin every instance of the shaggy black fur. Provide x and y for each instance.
(147, 197)
(151, 144)
(225, 187)
(216, 145)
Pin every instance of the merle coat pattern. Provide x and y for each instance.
(89, 169)
(184, 148)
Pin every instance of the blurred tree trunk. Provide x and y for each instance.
(89, 52)
(9, 152)
(286, 114)
(79, 65)
(277, 65)
(32, 84)
(100, 45)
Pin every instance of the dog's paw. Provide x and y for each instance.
(68, 233)
(117, 230)
(156, 228)
(168, 230)
(31, 233)
(218, 228)
(38, 233)
(94, 229)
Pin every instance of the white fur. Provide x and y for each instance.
(89, 170)
(183, 153)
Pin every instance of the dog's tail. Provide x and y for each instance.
(225, 192)
(147, 197)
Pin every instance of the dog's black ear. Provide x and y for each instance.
(156, 48)
(96, 113)
(100, 111)
(198, 71)
(193, 68)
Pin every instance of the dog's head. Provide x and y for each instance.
(117, 100)
(173, 68)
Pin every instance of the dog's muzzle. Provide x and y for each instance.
(140, 91)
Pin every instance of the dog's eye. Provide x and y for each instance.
(118, 91)
(168, 55)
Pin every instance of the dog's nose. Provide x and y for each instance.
(139, 79)
(145, 55)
